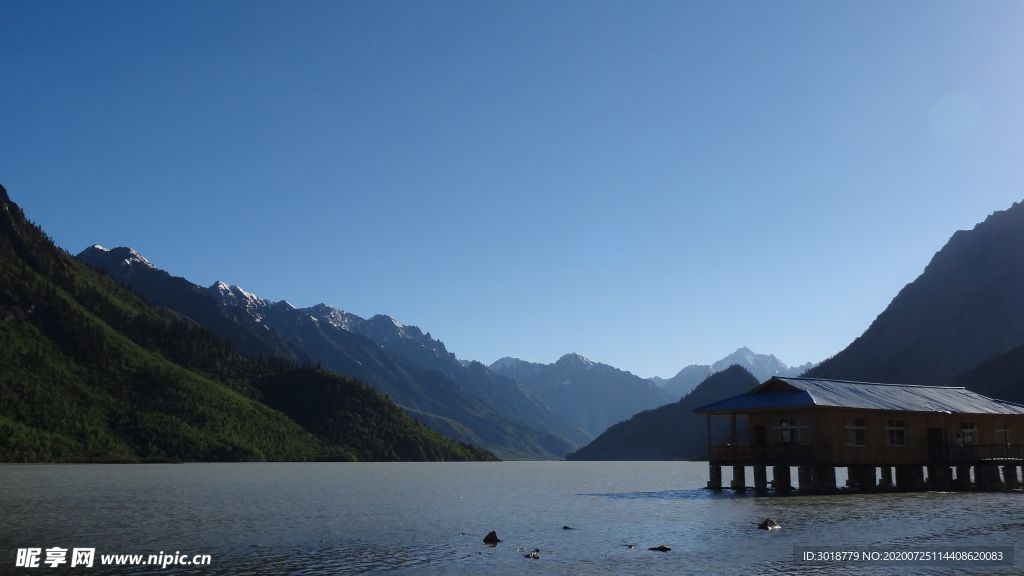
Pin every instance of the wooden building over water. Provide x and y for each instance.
(872, 430)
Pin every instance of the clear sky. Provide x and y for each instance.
(648, 184)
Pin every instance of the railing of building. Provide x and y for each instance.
(800, 453)
(988, 452)
(782, 453)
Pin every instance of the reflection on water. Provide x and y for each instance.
(338, 518)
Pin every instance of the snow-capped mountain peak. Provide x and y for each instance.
(574, 359)
(122, 255)
(762, 366)
(233, 295)
(337, 318)
(516, 368)
(382, 327)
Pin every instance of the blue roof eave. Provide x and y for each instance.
(763, 400)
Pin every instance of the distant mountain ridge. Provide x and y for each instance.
(592, 394)
(411, 346)
(762, 366)
(669, 432)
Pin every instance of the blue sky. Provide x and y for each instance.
(650, 184)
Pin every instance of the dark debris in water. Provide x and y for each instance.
(661, 548)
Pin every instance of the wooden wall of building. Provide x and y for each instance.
(828, 433)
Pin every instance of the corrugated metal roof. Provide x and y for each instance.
(780, 392)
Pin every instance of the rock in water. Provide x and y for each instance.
(769, 524)
(492, 538)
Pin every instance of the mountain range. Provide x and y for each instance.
(407, 365)
(592, 394)
(762, 366)
(91, 372)
(514, 408)
(70, 333)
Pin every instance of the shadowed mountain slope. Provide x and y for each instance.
(964, 309)
(592, 394)
(671, 432)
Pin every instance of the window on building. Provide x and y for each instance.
(1002, 433)
(792, 430)
(897, 432)
(855, 435)
(969, 432)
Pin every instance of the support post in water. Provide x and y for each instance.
(715, 477)
(782, 478)
(739, 477)
(760, 478)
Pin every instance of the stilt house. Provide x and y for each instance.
(822, 424)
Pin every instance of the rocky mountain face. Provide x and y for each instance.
(964, 309)
(236, 325)
(670, 432)
(592, 394)
(327, 333)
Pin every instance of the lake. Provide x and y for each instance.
(430, 518)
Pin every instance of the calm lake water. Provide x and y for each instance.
(416, 518)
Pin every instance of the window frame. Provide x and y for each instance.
(1002, 433)
(792, 430)
(896, 432)
(855, 432)
(969, 433)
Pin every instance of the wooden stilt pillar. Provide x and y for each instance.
(739, 477)
(886, 481)
(781, 478)
(760, 478)
(987, 477)
(909, 478)
(940, 477)
(715, 477)
(863, 477)
(826, 477)
(805, 478)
